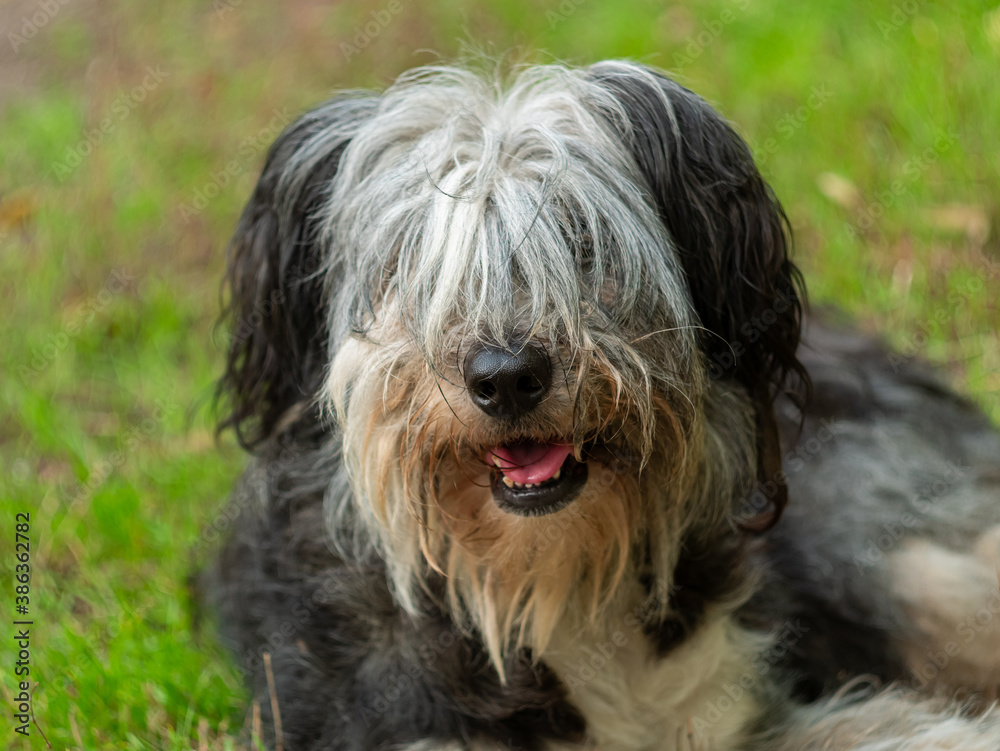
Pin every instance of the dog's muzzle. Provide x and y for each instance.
(530, 477)
(533, 478)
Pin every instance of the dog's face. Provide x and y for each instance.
(520, 307)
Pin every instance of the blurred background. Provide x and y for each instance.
(132, 133)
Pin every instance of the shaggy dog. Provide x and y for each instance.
(514, 360)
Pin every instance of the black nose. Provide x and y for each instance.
(507, 384)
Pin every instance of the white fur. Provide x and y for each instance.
(702, 695)
(893, 720)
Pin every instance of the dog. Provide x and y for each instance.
(525, 370)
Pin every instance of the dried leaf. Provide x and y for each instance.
(17, 210)
(991, 25)
(839, 189)
(973, 221)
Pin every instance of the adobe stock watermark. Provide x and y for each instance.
(969, 628)
(598, 655)
(128, 443)
(901, 15)
(612, 470)
(566, 9)
(365, 33)
(225, 7)
(409, 677)
(892, 532)
(913, 170)
(248, 149)
(121, 108)
(117, 282)
(790, 122)
(794, 461)
(710, 31)
(918, 339)
(761, 664)
(750, 333)
(264, 307)
(38, 20)
(287, 633)
(289, 454)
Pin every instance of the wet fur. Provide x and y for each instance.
(612, 217)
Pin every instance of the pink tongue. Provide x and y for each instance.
(531, 462)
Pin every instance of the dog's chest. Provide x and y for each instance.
(699, 696)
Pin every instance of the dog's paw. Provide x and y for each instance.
(952, 601)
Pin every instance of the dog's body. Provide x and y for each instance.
(509, 361)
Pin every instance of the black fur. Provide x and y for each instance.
(870, 403)
(729, 229)
(732, 238)
(277, 309)
(709, 570)
(350, 670)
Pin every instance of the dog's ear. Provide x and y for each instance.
(729, 232)
(276, 313)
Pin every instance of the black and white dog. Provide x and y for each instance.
(513, 358)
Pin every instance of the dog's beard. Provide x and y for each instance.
(421, 460)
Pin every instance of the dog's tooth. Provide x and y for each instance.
(529, 484)
(518, 484)
(556, 475)
(508, 482)
(496, 460)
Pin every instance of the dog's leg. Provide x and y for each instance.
(432, 745)
(893, 719)
(493, 744)
(891, 546)
(953, 601)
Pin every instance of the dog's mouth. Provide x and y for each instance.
(534, 478)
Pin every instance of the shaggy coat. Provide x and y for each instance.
(585, 555)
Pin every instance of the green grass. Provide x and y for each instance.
(111, 286)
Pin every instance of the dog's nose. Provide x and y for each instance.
(506, 384)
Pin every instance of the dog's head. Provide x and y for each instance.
(547, 319)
